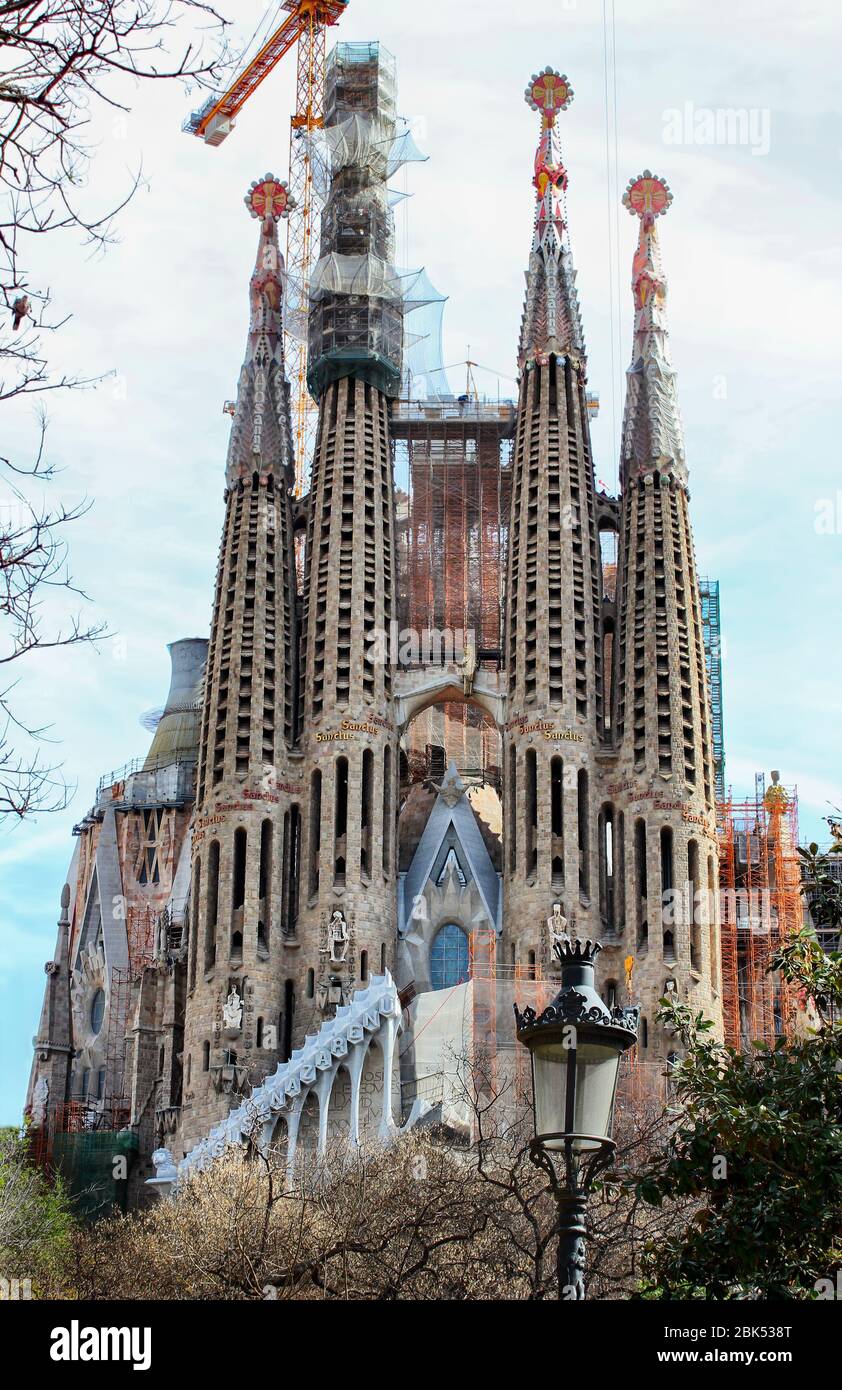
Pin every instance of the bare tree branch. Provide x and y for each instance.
(64, 61)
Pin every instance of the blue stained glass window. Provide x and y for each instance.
(449, 964)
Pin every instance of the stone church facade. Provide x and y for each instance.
(254, 912)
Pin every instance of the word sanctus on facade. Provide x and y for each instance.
(453, 708)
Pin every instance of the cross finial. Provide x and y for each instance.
(647, 197)
(548, 92)
(268, 198)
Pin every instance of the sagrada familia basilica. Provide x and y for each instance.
(284, 908)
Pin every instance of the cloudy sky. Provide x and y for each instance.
(753, 255)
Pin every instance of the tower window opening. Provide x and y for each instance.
(292, 853)
(640, 882)
(531, 837)
(194, 920)
(365, 812)
(212, 905)
(315, 833)
(340, 821)
(238, 881)
(667, 874)
(606, 867)
(557, 819)
(583, 833)
(286, 1021)
(265, 888)
(387, 811)
(695, 914)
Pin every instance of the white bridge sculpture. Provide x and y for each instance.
(341, 1044)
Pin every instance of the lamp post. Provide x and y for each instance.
(575, 1046)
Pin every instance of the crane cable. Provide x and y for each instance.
(266, 23)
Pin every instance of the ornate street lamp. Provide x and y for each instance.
(575, 1045)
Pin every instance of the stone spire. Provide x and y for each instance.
(349, 735)
(663, 726)
(553, 612)
(245, 840)
(551, 322)
(261, 435)
(652, 435)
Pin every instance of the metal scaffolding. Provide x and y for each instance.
(761, 904)
(452, 491)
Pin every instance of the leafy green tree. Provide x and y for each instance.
(36, 1222)
(757, 1146)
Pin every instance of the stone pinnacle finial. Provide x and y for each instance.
(647, 197)
(268, 198)
(652, 440)
(550, 321)
(548, 92)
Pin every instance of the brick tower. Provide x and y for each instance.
(665, 766)
(347, 923)
(555, 726)
(245, 830)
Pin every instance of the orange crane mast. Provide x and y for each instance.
(305, 26)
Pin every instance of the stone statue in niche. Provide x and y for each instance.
(232, 1010)
(337, 938)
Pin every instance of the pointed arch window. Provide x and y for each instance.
(449, 957)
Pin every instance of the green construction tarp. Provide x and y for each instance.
(95, 1165)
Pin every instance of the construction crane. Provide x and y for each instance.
(305, 26)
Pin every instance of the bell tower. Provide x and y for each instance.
(244, 851)
(347, 925)
(552, 649)
(663, 723)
